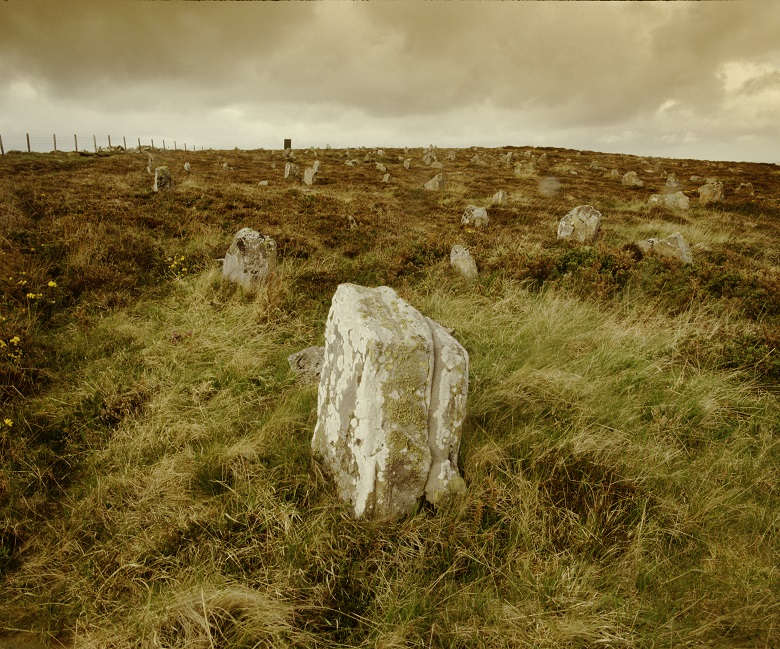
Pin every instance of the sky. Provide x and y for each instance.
(667, 79)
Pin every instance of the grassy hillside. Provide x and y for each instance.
(621, 449)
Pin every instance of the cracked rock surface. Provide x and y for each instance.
(250, 259)
(391, 403)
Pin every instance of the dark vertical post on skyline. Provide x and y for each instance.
(76, 143)
(54, 135)
(288, 143)
(109, 141)
(28, 143)
(124, 143)
(2, 149)
(94, 143)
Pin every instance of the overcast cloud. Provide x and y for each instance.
(699, 80)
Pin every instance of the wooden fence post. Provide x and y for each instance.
(94, 141)
(76, 142)
(175, 148)
(124, 142)
(153, 144)
(163, 145)
(54, 135)
(185, 146)
(28, 143)
(109, 141)
(139, 144)
(2, 150)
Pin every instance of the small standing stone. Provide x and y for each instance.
(631, 179)
(678, 200)
(408, 163)
(674, 247)
(307, 364)
(581, 225)
(292, 171)
(386, 178)
(476, 216)
(162, 179)
(186, 166)
(462, 261)
(711, 192)
(250, 259)
(381, 167)
(745, 189)
(435, 183)
(499, 198)
(309, 176)
(263, 183)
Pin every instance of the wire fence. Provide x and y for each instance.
(90, 143)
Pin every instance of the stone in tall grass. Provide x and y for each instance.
(580, 225)
(162, 179)
(476, 216)
(187, 166)
(310, 175)
(745, 189)
(307, 364)
(408, 163)
(673, 247)
(391, 403)
(250, 260)
(462, 261)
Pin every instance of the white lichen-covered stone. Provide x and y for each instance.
(462, 261)
(386, 178)
(381, 167)
(476, 216)
(162, 179)
(674, 247)
(581, 225)
(435, 183)
(408, 163)
(250, 259)
(187, 166)
(391, 403)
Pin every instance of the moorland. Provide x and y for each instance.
(621, 448)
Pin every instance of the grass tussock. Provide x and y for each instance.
(620, 449)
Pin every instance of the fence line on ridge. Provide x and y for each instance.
(94, 144)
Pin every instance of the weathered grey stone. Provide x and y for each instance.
(250, 260)
(225, 166)
(696, 179)
(450, 156)
(525, 168)
(437, 165)
(391, 403)
(499, 198)
(263, 183)
(614, 173)
(542, 160)
(307, 364)
(745, 189)
(711, 192)
(381, 167)
(672, 184)
(674, 247)
(435, 183)
(581, 225)
(631, 179)
(186, 166)
(505, 159)
(429, 159)
(162, 179)
(380, 153)
(386, 178)
(316, 166)
(309, 176)
(678, 200)
(292, 171)
(408, 163)
(462, 261)
(349, 163)
(476, 160)
(476, 216)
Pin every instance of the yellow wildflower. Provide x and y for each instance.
(8, 422)
(52, 283)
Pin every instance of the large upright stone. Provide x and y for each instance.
(250, 259)
(673, 247)
(162, 179)
(435, 183)
(499, 198)
(581, 225)
(711, 192)
(310, 175)
(391, 403)
(476, 216)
